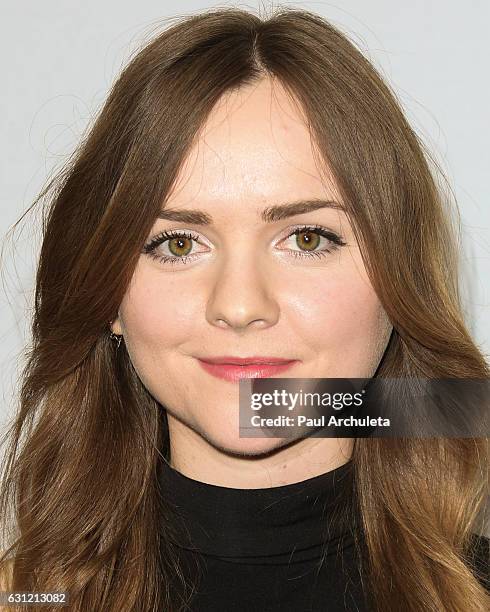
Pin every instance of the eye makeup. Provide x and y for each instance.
(310, 235)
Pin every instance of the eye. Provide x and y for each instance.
(171, 247)
(314, 241)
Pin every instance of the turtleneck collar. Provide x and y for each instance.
(260, 525)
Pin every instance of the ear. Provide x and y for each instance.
(116, 326)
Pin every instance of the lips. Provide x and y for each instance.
(233, 369)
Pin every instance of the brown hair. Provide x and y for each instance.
(85, 445)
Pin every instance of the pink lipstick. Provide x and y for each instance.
(234, 368)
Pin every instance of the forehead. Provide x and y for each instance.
(254, 148)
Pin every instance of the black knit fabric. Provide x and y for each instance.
(288, 548)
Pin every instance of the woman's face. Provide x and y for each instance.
(244, 286)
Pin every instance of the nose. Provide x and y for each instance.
(242, 294)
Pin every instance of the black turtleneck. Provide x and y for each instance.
(288, 548)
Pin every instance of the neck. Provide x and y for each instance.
(290, 462)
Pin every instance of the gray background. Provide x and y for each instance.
(59, 58)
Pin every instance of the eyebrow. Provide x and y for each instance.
(268, 215)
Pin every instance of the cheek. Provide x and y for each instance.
(157, 312)
(339, 310)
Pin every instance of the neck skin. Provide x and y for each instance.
(196, 458)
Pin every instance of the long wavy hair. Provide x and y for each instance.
(80, 484)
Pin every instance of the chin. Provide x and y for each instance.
(250, 447)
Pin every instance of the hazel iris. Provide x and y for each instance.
(312, 240)
(175, 244)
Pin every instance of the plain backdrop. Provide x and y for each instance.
(59, 59)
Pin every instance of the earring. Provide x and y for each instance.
(116, 337)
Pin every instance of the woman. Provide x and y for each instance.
(250, 190)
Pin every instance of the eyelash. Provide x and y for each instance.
(150, 248)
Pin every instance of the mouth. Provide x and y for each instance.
(234, 369)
